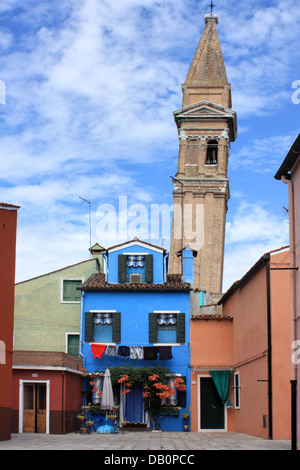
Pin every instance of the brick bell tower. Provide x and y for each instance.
(206, 125)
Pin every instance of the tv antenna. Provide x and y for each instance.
(90, 221)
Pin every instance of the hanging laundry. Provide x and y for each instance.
(165, 353)
(111, 350)
(150, 353)
(136, 352)
(98, 350)
(123, 351)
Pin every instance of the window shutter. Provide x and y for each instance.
(122, 268)
(89, 327)
(181, 396)
(181, 328)
(149, 268)
(152, 327)
(116, 335)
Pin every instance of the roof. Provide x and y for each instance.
(258, 265)
(61, 269)
(136, 241)
(289, 160)
(4, 205)
(207, 68)
(211, 317)
(97, 282)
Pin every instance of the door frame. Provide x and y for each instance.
(21, 402)
(199, 376)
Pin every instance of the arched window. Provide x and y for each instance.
(212, 152)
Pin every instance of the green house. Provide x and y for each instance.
(47, 308)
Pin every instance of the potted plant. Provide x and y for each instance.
(123, 422)
(185, 416)
(112, 417)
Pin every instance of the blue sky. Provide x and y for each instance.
(90, 91)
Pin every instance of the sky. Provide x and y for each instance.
(87, 94)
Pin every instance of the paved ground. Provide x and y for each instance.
(142, 441)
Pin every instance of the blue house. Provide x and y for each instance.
(135, 320)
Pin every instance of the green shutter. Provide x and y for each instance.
(122, 268)
(181, 396)
(116, 335)
(149, 268)
(152, 327)
(73, 345)
(89, 327)
(70, 291)
(180, 327)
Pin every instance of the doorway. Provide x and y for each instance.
(34, 407)
(211, 409)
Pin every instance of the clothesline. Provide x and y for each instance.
(133, 352)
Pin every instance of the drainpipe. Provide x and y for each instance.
(288, 181)
(270, 384)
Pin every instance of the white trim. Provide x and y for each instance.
(102, 311)
(166, 311)
(68, 333)
(237, 373)
(21, 402)
(52, 368)
(133, 243)
(199, 376)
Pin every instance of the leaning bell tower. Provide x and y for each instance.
(206, 126)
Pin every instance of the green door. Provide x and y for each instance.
(212, 408)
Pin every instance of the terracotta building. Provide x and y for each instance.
(289, 173)
(242, 347)
(8, 229)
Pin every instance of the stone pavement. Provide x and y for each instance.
(143, 441)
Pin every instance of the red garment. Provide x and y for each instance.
(98, 350)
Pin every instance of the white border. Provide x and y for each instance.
(21, 402)
(199, 376)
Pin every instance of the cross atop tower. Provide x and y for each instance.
(212, 6)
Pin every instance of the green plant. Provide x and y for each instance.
(185, 416)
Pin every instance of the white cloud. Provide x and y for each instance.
(91, 88)
(253, 231)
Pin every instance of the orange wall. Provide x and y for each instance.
(211, 346)
(8, 223)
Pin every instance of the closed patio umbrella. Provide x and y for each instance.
(107, 402)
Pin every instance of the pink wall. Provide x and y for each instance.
(248, 306)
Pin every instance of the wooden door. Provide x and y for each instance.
(212, 409)
(34, 414)
(40, 408)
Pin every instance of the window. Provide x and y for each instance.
(166, 327)
(70, 292)
(237, 390)
(135, 268)
(73, 344)
(102, 327)
(212, 152)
